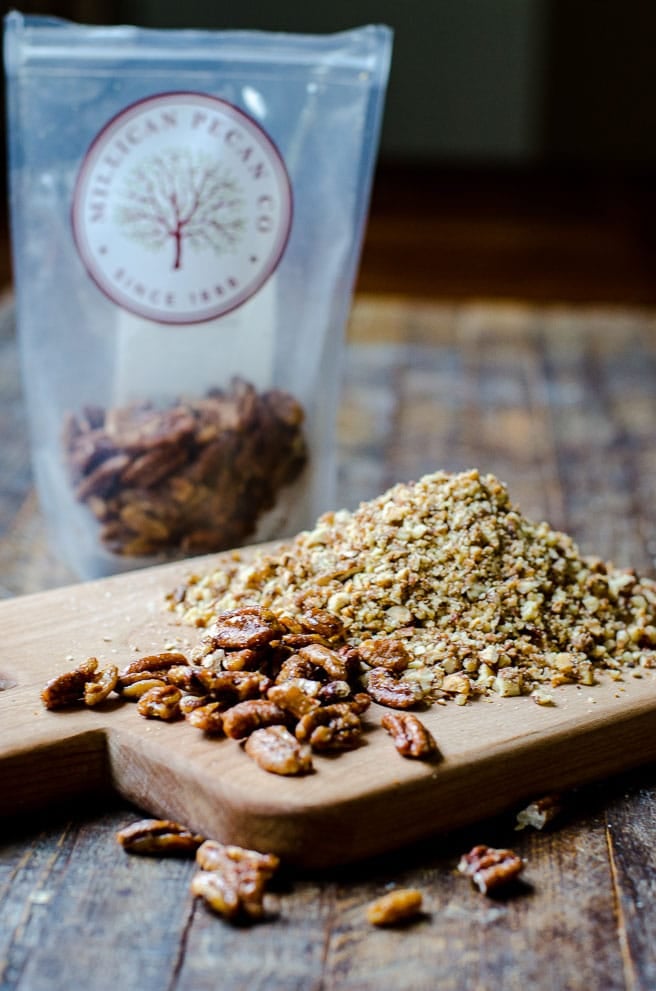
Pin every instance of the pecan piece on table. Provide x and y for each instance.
(384, 652)
(490, 868)
(274, 749)
(244, 718)
(540, 813)
(159, 837)
(68, 688)
(161, 703)
(232, 880)
(395, 907)
(330, 727)
(239, 629)
(386, 688)
(233, 686)
(142, 684)
(321, 622)
(410, 736)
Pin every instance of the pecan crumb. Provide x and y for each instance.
(398, 906)
(539, 813)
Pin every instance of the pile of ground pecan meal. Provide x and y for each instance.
(483, 600)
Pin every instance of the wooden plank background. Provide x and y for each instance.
(558, 402)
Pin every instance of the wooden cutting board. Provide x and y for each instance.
(494, 755)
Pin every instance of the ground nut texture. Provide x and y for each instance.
(484, 600)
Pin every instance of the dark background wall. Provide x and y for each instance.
(516, 82)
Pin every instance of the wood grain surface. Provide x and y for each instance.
(559, 403)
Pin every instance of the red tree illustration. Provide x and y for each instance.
(184, 197)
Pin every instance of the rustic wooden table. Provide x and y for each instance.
(560, 404)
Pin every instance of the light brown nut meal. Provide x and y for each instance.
(161, 703)
(274, 749)
(410, 736)
(68, 688)
(160, 838)
(489, 868)
(396, 907)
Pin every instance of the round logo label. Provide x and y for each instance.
(182, 208)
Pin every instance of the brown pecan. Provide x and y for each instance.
(384, 653)
(294, 697)
(239, 629)
(68, 688)
(159, 837)
(186, 678)
(137, 689)
(330, 727)
(326, 659)
(276, 750)
(490, 868)
(410, 736)
(104, 684)
(334, 691)
(160, 703)
(234, 686)
(388, 689)
(395, 907)
(240, 878)
(242, 660)
(151, 468)
(299, 668)
(208, 718)
(153, 662)
(190, 702)
(104, 479)
(245, 717)
(359, 703)
(323, 623)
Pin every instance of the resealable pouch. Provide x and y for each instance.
(187, 213)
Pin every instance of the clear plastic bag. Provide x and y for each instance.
(187, 212)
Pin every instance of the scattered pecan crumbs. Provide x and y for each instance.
(192, 477)
(396, 907)
(490, 869)
(540, 813)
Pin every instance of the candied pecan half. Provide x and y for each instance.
(208, 718)
(68, 688)
(143, 684)
(489, 868)
(234, 686)
(334, 691)
(240, 878)
(245, 717)
(186, 678)
(190, 702)
(294, 697)
(238, 629)
(160, 703)
(159, 837)
(98, 690)
(215, 856)
(274, 749)
(321, 622)
(388, 689)
(410, 736)
(296, 668)
(384, 653)
(326, 659)
(330, 727)
(395, 907)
